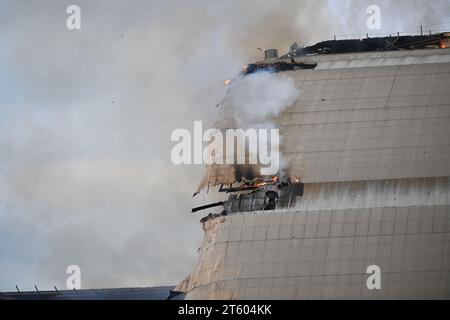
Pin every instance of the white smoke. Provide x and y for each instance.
(254, 102)
(257, 98)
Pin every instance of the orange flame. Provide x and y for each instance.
(259, 183)
(262, 183)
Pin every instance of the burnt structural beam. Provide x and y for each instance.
(209, 206)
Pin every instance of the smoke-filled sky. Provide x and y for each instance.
(86, 118)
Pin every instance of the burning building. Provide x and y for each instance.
(367, 181)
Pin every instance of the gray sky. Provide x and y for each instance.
(86, 118)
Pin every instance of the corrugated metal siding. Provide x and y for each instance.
(155, 293)
(375, 194)
(325, 254)
(369, 124)
(374, 59)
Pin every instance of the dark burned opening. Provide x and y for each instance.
(276, 67)
(258, 196)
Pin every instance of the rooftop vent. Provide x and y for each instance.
(271, 54)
